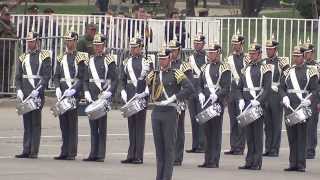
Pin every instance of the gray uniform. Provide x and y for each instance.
(312, 124)
(136, 122)
(41, 72)
(69, 120)
(297, 134)
(194, 104)
(221, 76)
(237, 134)
(273, 111)
(186, 69)
(164, 120)
(261, 79)
(98, 127)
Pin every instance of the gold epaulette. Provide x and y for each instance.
(44, 54)
(22, 57)
(147, 60)
(59, 58)
(179, 75)
(246, 59)
(312, 71)
(203, 67)
(185, 67)
(109, 59)
(283, 62)
(225, 67)
(150, 77)
(82, 56)
(286, 72)
(266, 68)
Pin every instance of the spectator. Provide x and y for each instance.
(85, 42)
(174, 29)
(102, 5)
(7, 48)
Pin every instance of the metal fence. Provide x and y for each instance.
(118, 30)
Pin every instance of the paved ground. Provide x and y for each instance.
(45, 168)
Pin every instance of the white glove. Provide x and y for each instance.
(69, 92)
(106, 94)
(286, 101)
(34, 93)
(87, 96)
(202, 98)
(58, 93)
(20, 94)
(168, 101)
(213, 97)
(255, 103)
(305, 102)
(141, 95)
(241, 104)
(124, 95)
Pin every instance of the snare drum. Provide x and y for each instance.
(250, 115)
(28, 105)
(209, 113)
(98, 109)
(64, 105)
(299, 116)
(133, 107)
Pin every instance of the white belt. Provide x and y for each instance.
(252, 89)
(72, 80)
(31, 76)
(170, 104)
(97, 80)
(297, 91)
(196, 76)
(215, 87)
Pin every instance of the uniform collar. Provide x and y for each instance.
(33, 52)
(74, 52)
(200, 52)
(215, 63)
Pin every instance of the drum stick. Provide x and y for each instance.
(30, 94)
(307, 97)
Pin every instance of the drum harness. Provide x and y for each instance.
(296, 89)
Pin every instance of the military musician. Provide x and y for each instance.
(33, 71)
(68, 81)
(215, 85)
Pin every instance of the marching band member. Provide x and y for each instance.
(215, 85)
(100, 80)
(312, 124)
(32, 76)
(169, 86)
(133, 85)
(68, 80)
(196, 60)
(273, 108)
(237, 61)
(297, 83)
(176, 63)
(254, 87)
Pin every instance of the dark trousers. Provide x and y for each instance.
(197, 130)
(180, 137)
(273, 112)
(312, 131)
(213, 134)
(98, 130)
(237, 134)
(32, 132)
(69, 131)
(136, 125)
(254, 132)
(164, 126)
(297, 135)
